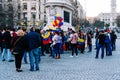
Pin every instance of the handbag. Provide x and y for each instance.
(15, 49)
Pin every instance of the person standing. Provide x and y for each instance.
(57, 39)
(83, 37)
(6, 41)
(74, 38)
(33, 43)
(19, 45)
(113, 40)
(89, 40)
(0, 41)
(101, 44)
(96, 38)
(108, 43)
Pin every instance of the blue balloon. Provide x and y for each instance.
(60, 24)
(55, 17)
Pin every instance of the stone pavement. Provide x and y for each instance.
(83, 67)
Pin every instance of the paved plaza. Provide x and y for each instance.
(83, 67)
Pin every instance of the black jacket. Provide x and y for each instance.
(20, 43)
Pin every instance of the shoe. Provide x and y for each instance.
(3, 60)
(71, 56)
(10, 60)
(109, 54)
(19, 70)
(59, 57)
(37, 69)
(56, 57)
(31, 70)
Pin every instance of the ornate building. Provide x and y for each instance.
(110, 18)
(69, 10)
(62, 7)
(38, 12)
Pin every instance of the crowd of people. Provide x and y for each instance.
(38, 43)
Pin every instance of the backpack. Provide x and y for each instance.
(107, 39)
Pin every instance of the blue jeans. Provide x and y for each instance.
(96, 43)
(98, 49)
(74, 49)
(57, 49)
(53, 52)
(113, 45)
(40, 53)
(34, 54)
(8, 54)
(108, 49)
(89, 47)
(25, 57)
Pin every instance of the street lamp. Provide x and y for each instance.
(25, 21)
(33, 15)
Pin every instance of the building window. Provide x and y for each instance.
(24, 15)
(24, 6)
(66, 16)
(33, 7)
(9, 0)
(0, 7)
(19, 6)
(10, 7)
(113, 24)
(33, 15)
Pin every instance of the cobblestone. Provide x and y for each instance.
(83, 67)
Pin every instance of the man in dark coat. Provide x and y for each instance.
(33, 43)
(6, 45)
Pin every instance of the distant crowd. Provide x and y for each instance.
(36, 43)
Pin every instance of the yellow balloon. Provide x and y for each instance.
(57, 15)
(57, 21)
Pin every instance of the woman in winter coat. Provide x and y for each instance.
(18, 48)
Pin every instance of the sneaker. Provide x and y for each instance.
(71, 56)
(3, 60)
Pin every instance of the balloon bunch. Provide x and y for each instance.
(58, 22)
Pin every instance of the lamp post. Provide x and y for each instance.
(25, 21)
(85, 13)
(33, 15)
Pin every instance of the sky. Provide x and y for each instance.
(94, 7)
